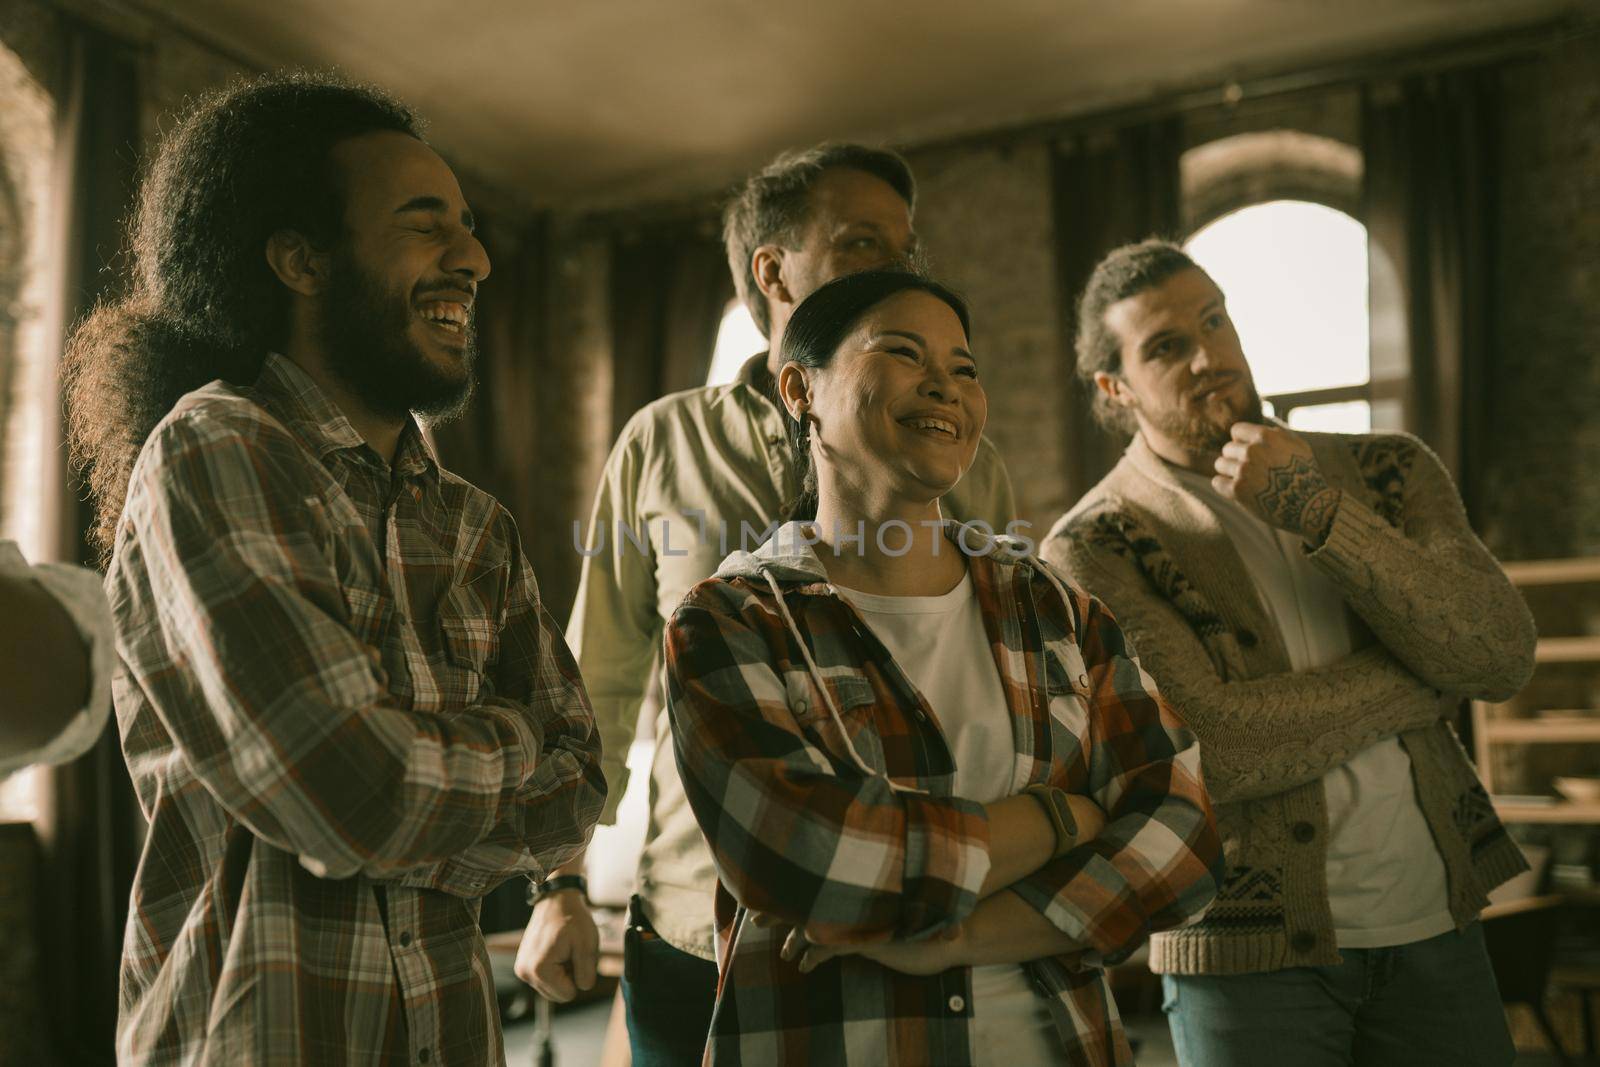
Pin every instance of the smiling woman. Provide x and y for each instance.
(879, 317)
(873, 765)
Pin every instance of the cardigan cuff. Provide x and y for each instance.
(1350, 539)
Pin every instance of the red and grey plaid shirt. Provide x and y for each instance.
(822, 782)
(347, 716)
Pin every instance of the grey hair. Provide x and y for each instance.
(773, 203)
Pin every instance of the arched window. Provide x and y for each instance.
(738, 338)
(1273, 216)
(1295, 275)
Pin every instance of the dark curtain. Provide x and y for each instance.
(1109, 187)
(90, 827)
(669, 288)
(1429, 200)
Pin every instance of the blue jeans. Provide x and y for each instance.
(669, 995)
(1429, 1004)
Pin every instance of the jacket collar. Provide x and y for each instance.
(754, 375)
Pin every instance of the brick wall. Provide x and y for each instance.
(1544, 497)
(984, 216)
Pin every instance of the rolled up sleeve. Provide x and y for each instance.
(1158, 860)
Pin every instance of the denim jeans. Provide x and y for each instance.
(669, 995)
(1432, 1003)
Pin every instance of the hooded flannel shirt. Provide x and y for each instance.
(822, 782)
(347, 716)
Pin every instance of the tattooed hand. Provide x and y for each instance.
(1271, 472)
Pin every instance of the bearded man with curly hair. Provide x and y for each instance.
(345, 710)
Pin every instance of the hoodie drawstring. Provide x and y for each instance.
(827, 698)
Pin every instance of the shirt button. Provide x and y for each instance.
(958, 1002)
(423, 1056)
(1304, 832)
(1304, 941)
(800, 705)
(405, 939)
(1247, 638)
(1083, 681)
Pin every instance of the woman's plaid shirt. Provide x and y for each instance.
(800, 832)
(347, 716)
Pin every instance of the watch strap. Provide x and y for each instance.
(537, 891)
(1059, 810)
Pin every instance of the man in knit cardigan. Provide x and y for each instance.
(1316, 606)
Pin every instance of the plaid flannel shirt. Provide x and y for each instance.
(347, 716)
(800, 831)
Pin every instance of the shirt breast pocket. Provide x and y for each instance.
(856, 700)
(470, 622)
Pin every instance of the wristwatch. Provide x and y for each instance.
(1059, 809)
(537, 891)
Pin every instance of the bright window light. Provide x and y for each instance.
(612, 860)
(19, 800)
(1295, 275)
(737, 340)
(1349, 416)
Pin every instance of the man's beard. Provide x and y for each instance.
(1200, 431)
(365, 333)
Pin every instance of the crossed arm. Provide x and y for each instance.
(1448, 622)
(858, 866)
(235, 624)
(1003, 928)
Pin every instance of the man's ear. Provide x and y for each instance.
(766, 263)
(1115, 389)
(297, 264)
(794, 390)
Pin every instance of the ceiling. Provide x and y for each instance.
(594, 102)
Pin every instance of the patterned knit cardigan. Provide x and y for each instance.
(1444, 623)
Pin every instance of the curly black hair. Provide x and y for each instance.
(201, 302)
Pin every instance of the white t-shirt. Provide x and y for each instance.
(941, 645)
(1386, 880)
